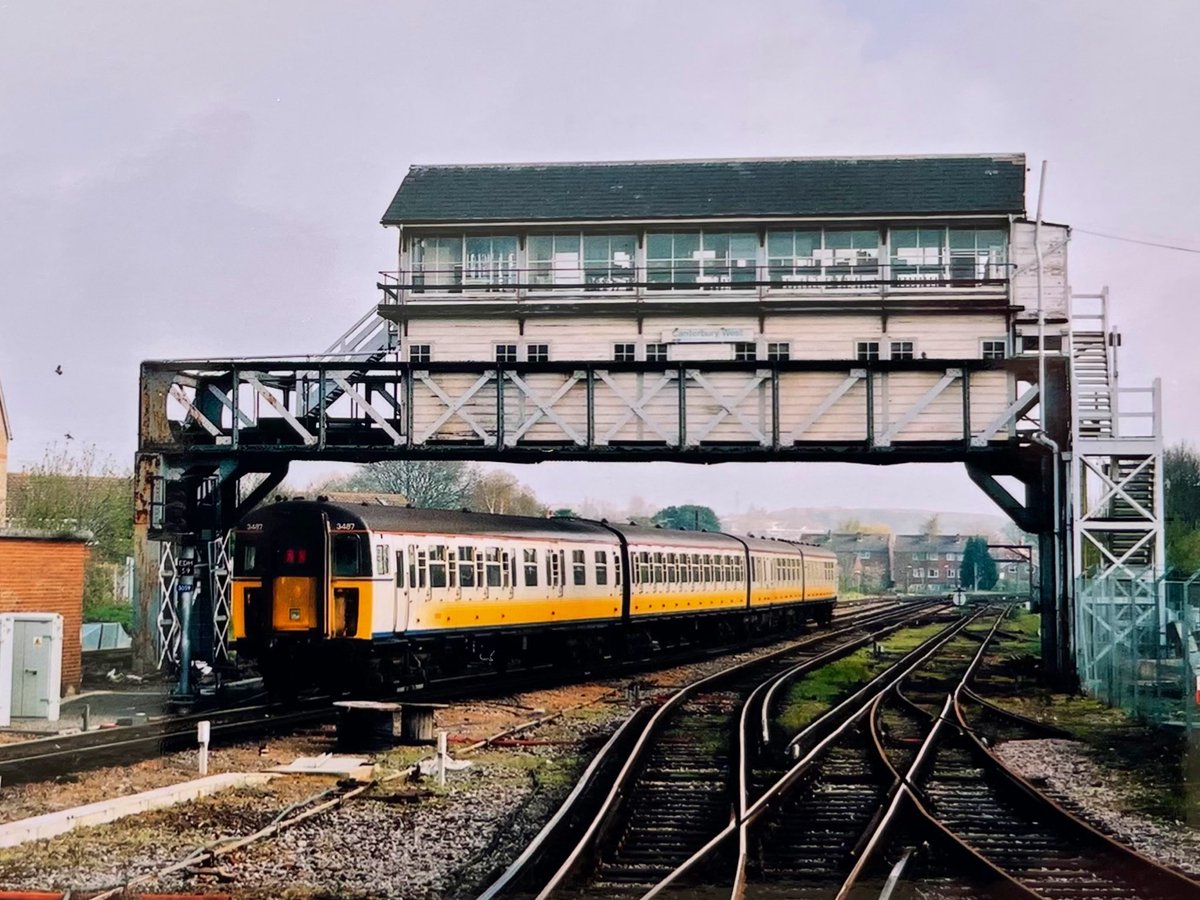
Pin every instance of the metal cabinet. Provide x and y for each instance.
(31, 646)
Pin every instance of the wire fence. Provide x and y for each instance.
(1136, 645)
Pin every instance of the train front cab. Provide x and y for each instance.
(301, 582)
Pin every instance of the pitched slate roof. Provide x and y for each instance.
(866, 186)
(5, 425)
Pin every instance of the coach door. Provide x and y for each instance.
(401, 576)
(418, 574)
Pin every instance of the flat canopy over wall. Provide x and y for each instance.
(755, 188)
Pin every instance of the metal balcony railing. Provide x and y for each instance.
(697, 277)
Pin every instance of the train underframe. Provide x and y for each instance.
(382, 667)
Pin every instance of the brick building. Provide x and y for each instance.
(864, 558)
(928, 564)
(43, 572)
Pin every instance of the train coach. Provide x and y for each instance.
(370, 597)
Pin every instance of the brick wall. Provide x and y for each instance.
(41, 574)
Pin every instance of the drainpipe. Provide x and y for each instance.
(1040, 436)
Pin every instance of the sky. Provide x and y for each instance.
(193, 179)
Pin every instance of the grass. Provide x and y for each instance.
(817, 691)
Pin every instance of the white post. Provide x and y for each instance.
(203, 731)
(441, 758)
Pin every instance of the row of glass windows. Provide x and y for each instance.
(712, 258)
(653, 567)
(467, 566)
(745, 351)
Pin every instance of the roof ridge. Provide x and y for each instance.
(729, 160)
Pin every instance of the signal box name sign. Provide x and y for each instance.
(711, 335)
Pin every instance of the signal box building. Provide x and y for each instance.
(874, 260)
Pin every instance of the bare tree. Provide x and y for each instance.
(430, 484)
(500, 493)
(931, 527)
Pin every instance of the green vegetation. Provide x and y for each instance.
(688, 518)
(818, 691)
(73, 490)
(978, 571)
(1181, 477)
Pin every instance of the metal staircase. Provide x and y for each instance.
(1117, 499)
(368, 340)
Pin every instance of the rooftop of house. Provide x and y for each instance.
(5, 424)
(855, 541)
(981, 185)
(924, 543)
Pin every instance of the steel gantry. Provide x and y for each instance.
(206, 424)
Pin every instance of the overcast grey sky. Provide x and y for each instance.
(206, 178)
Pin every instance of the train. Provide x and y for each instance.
(368, 598)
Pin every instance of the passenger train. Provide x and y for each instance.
(369, 597)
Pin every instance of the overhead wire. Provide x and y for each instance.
(1129, 240)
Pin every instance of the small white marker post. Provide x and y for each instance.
(441, 759)
(203, 730)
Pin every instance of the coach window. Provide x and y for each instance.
(381, 560)
(466, 567)
(416, 567)
(672, 569)
(617, 569)
(601, 567)
(437, 566)
(246, 558)
(579, 567)
(530, 555)
(660, 577)
(491, 560)
(399, 568)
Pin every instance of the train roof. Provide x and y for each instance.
(412, 520)
(432, 521)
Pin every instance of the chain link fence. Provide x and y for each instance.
(1136, 646)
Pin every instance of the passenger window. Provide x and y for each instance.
(381, 560)
(531, 571)
(617, 568)
(491, 561)
(659, 575)
(399, 568)
(466, 567)
(437, 566)
(601, 567)
(672, 568)
(579, 566)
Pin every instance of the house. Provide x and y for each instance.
(864, 558)
(928, 564)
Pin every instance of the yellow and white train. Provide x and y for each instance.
(367, 596)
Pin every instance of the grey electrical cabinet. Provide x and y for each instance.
(31, 648)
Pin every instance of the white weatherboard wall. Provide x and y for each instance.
(33, 664)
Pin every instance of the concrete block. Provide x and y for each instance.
(50, 825)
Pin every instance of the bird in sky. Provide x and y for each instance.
(69, 436)
(58, 370)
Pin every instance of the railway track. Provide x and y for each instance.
(890, 789)
(677, 785)
(45, 758)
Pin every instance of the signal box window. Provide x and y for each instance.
(745, 351)
(1029, 343)
(779, 351)
(506, 353)
(419, 353)
(902, 349)
(656, 353)
(536, 353)
(867, 351)
(624, 352)
(993, 349)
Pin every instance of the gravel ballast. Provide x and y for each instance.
(1065, 770)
